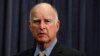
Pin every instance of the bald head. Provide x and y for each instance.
(43, 8)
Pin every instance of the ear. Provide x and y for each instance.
(58, 25)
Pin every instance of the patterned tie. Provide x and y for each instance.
(41, 53)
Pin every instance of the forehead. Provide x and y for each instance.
(43, 12)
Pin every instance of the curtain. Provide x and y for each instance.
(80, 25)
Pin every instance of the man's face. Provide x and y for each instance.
(43, 25)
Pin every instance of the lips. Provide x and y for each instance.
(41, 33)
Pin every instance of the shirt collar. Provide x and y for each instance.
(48, 50)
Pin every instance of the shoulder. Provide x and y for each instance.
(66, 51)
(72, 52)
(28, 52)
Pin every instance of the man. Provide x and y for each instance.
(44, 25)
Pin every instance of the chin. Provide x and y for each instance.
(43, 41)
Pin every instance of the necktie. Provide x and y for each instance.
(41, 53)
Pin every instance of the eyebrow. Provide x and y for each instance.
(35, 18)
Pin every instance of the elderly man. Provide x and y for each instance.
(44, 25)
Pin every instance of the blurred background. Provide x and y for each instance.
(80, 25)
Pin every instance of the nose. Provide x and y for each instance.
(42, 25)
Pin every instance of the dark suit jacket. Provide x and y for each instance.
(58, 50)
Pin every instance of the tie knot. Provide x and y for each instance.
(41, 53)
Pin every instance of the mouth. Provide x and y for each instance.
(41, 34)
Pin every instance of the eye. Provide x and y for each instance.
(47, 20)
(36, 21)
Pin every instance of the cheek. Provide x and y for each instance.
(34, 30)
(52, 30)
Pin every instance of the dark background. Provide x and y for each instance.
(80, 25)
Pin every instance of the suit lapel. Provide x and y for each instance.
(30, 52)
(57, 50)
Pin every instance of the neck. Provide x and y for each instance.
(43, 46)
